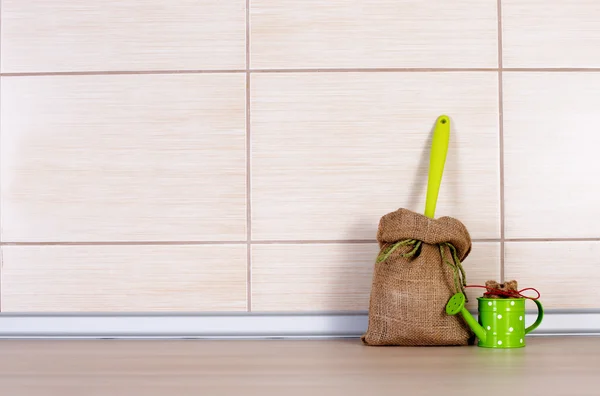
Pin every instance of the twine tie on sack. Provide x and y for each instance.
(388, 250)
(457, 268)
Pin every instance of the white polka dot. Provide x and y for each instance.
(521, 340)
(512, 303)
(511, 329)
(520, 318)
(499, 316)
(490, 303)
(499, 342)
(489, 328)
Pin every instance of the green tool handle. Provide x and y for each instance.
(437, 160)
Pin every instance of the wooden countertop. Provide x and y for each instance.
(547, 366)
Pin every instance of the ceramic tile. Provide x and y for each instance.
(333, 152)
(550, 155)
(550, 34)
(67, 36)
(123, 158)
(337, 277)
(373, 34)
(565, 273)
(124, 278)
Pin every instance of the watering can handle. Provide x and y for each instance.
(540, 316)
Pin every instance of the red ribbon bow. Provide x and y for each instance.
(507, 293)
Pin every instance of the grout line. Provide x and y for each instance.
(501, 143)
(552, 239)
(1, 273)
(279, 71)
(124, 243)
(274, 242)
(315, 242)
(1, 251)
(339, 241)
(247, 70)
(551, 69)
(248, 170)
(231, 314)
(431, 69)
(118, 72)
(379, 70)
(177, 243)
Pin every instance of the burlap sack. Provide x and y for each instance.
(417, 271)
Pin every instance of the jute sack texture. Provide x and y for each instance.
(416, 272)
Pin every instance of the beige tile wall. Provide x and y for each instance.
(233, 155)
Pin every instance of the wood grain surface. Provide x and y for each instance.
(542, 265)
(546, 366)
(548, 117)
(337, 277)
(122, 35)
(538, 33)
(374, 33)
(123, 158)
(327, 163)
(280, 125)
(144, 278)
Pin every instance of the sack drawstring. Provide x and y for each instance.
(387, 250)
(458, 271)
(460, 278)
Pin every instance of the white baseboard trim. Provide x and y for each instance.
(237, 325)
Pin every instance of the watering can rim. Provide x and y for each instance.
(500, 299)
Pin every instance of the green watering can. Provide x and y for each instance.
(501, 320)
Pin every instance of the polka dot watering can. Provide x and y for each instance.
(501, 320)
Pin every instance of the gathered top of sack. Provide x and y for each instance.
(404, 224)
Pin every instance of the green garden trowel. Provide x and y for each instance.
(437, 160)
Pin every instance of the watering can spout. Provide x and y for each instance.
(456, 305)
